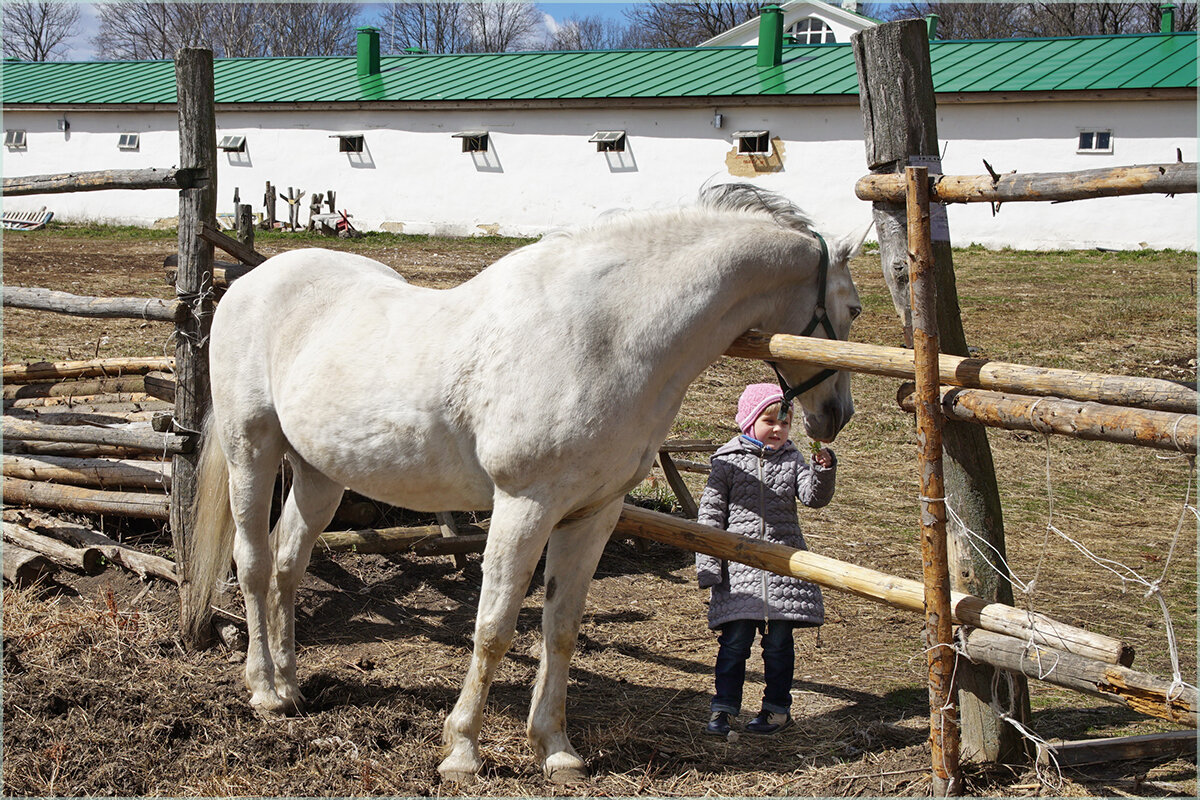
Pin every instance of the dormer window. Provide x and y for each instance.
(753, 142)
(473, 141)
(811, 31)
(609, 141)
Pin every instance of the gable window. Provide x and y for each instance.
(609, 141)
(349, 142)
(753, 141)
(473, 141)
(1095, 141)
(236, 144)
(14, 139)
(128, 141)
(811, 31)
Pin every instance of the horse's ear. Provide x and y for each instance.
(848, 246)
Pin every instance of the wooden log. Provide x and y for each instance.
(99, 180)
(1118, 748)
(23, 567)
(244, 253)
(1144, 693)
(1093, 421)
(692, 466)
(223, 274)
(384, 540)
(1172, 178)
(689, 446)
(197, 212)
(128, 384)
(160, 385)
(101, 473)
(67, 415)
(81, 559)
(867, 583)
(39, 299)
(940, 653)
(92, 368)
(85, 500)
(449, 530)
(680, 489)
(72, 450)
(130, 558)
(457, 546)
(139, 439)
(97, 403)
(972, 373)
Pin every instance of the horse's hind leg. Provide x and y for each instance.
(310, 506)
(254, 457)
(518, 534)
(571, 557)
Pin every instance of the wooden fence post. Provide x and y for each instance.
(193, 286)
(900, 122)
(939, 632)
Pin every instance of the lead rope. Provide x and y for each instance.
(820, 317)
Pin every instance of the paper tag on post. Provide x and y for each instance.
(939, 221)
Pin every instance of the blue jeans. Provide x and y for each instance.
(779, 663)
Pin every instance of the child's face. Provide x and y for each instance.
(770, 429)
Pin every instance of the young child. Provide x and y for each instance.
(755, 482)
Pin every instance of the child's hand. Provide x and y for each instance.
(822, 455)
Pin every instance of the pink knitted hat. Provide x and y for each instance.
(754, 399)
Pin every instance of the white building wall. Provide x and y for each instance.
(541, 172)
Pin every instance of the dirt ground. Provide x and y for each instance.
(99, 698)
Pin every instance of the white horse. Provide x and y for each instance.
(541, 389)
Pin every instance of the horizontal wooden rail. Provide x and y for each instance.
(868, 583)
(1145, 693)
(146, 505)
(147, 440)
(67, 389)
(99, 180)
(91, 368)
(1162, 430)
(972, 373)
(101, 473)
(40, 299)
(1173, 178)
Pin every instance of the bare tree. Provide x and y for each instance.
(144, 30)
(38, 31)
(503, 26)
(1009, 20)
(661, 24)
(588, 33)
(433, 27)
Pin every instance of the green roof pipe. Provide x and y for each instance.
(931, 21)
(1167, 18)
(770, 37)
(368, 52)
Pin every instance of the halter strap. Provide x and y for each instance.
(820, 317)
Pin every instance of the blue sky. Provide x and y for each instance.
(81, 48)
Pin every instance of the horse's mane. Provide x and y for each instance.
(746, 197)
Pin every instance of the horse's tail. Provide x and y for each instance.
(210, 545)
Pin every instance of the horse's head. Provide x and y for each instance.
(824, 395)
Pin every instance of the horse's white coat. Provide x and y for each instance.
(541, 389)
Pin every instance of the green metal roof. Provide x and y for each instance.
(1007, 65)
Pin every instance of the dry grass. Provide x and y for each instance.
(99, 699)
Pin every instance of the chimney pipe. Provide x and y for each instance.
(931, 21)
(770, 37)
(1167, 18)
(368, 52)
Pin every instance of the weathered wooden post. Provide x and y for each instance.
(939, 632)
(193, 286)
(268, 222)
(900, 126)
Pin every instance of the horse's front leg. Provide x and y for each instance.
(310, 506)
(571, 557)
(515, 541)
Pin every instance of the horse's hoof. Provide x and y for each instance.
(271, 706)
(460, 770)
(564, 769)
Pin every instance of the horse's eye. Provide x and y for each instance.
(855, 311)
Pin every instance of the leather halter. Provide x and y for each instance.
(820, 317)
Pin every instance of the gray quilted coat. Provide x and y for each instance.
(753, 492)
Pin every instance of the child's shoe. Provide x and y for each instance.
(718, 724)
(768, 722)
